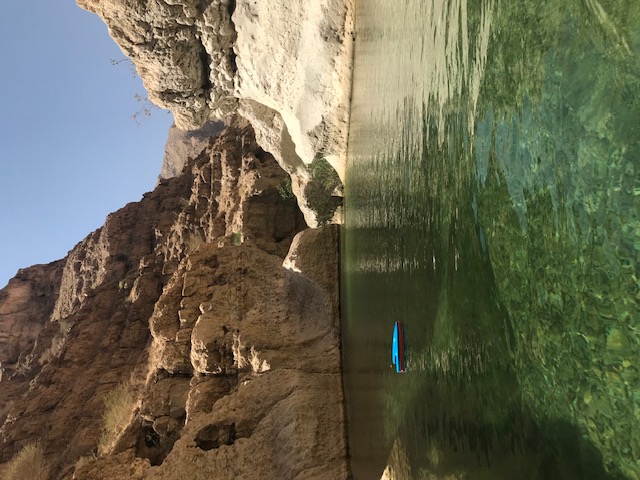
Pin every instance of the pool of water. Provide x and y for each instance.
(492, 204)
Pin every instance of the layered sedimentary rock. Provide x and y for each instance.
(283, 65)
(227, 362)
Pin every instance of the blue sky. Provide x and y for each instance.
(69, 152)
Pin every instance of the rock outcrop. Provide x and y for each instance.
(213, 359)
(284, 65)
(25, 304)
(182, 145)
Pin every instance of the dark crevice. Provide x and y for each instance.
(204, 59)
(232, 54)
(154, 443)
(232, 60)
(231, 7)
(212, 436)
(151, 438)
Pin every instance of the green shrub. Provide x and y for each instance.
(285, 189)
(324, 181)
(323, 173)
(28, 464)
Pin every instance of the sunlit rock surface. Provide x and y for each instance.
(229, 360)
(283, 65)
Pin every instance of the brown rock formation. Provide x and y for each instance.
(25, 304)
(182, 145)
(228, 362)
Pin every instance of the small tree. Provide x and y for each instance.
(147, 107)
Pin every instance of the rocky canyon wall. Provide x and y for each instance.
(285, 65)
(205, 315)
(196, 334)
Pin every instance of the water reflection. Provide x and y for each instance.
(492, 205)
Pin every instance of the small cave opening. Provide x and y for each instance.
(262, 155)
(232, 60)
(212, 436)
(205, 59)
(155, 443)
(151, 438)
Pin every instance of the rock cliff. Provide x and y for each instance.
(194, 335)
(25, 304)
(182, 145)
(284, 65)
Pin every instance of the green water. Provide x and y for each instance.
(492, 204)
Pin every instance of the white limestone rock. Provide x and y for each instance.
(285, 65)
(294, 57)
(172, 44)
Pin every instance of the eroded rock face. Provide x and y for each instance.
(263, 356)
(284, 65)
(230, 359)
(26, 304)
(182, 145)
(183, 50)
(294, 57)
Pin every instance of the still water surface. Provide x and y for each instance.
(493, 205)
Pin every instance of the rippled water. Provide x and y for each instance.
(493, 205)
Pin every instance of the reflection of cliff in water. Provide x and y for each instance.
(496, 214)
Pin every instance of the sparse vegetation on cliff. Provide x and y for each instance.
(119, 405)
(193, 241)
(29, 463)
(146, 106)
(319, 192)
(84, 461)
(285, 189)
(237, 238)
